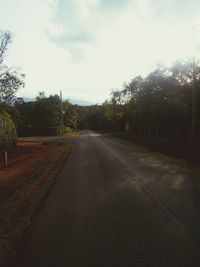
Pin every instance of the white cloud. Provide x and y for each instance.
(169, 11)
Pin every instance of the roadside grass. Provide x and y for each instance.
(32, 169)
(74, 133)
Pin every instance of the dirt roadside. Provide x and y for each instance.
(32, 168)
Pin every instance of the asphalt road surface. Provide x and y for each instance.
(117, 204)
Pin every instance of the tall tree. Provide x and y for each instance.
(10, 79)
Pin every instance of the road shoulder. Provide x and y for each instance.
(24, 185)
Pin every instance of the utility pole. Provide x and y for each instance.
(193, 93)
(61, 108)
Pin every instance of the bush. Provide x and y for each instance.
(61, 130)
(8, 134)
(68, 130)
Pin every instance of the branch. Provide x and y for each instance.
(5, 40)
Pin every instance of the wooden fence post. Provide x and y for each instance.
(5, 158)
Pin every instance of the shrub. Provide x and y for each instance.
(8, 135)
(68, 130)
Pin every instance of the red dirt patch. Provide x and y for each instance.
(32, 168)
(21, 157)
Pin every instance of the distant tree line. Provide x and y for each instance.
(44, 116)
(159, 106)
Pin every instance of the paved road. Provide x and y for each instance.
(116, 204)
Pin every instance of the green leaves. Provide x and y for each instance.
(10, 79)
(8, 135)
(10, 82)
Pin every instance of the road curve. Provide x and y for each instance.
(116, 204)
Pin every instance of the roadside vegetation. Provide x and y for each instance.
(8, 135)
(157, 105)
(161, 110)
(44, 116)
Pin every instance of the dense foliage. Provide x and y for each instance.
(10, 79)
(40, 117)
(46, 116)
(159, 105)
(8, 134)
(10, 82)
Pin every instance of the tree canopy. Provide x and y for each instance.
(159, 104)
(10, 79)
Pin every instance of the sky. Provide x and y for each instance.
(86, 48)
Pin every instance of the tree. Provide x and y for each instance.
(46, 111)
(40, 117)
(5, 40)
(8, 134)
(71, 115)
(10, 79)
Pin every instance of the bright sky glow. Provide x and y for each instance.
(88, 47)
